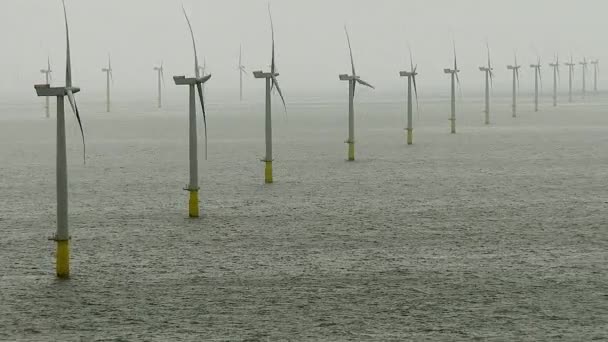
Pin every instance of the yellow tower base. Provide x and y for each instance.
(268, 172)
(410, 136)
(193, 203)
(351, 151)
(63, 259)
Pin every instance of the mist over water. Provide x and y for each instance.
(495, 233)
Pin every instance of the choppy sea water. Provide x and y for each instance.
(495, 233)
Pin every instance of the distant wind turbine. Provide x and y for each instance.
(596, 70)
(584, 70)
(194, 82)
(571, 66)
(352, 82)
(271, 83)
(109, 75)
(242, 71)
(489, 78)
(555, 66)
(537, 76)
(515, 67)
(62, 236)
(454, 79)
(47, 74)
(411, 80)
(161, 79)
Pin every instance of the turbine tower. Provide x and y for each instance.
(584, 70)
(596, 70)
(109, 76)
(571, 66)
(242, 71)
(271, 83)
(47, 75)
(454, 78)
(489, 78)
(515, 67)
(411, 80)
(62, 236)
(555, 66)
(352, 82)
(194, 82)
(537, 75)
(161, 79)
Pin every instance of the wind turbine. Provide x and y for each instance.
(515, 67)
(161, 79)
(537, 75)
(271, 83)
(584, 69)
(62, 236)
(194, 82)
(352, 82)
(571, 66)
(596, 70)
(454, 78)
(109, 76)
(242, 71)
(47, 73)
(555, 66)
(411, 80)
(489, 78)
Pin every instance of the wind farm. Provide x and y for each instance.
(162, 232)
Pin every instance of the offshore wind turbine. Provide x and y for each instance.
(454, 79)
(47, 75)
(352, 82)
(62, 236)
(108, 71)
(596, 70)
(555, 66)
(537, 76)
(584, 70)
(242, 71)
(487, 70)
(515, 67)
(271, 83)
(571, 66)
(194, 82)
(411, 80)
(161, 79)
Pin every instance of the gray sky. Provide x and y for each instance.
(311, 45)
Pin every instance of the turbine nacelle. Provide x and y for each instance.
(485, 69)
(182, 80)
(451, 71)
(511, 67)
(345, 77)
(261, 74)
(407, 73)
(47, 90)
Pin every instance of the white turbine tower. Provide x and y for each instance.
(584, 70)
(487, 70)
(555, 66)
(352, 82)
(47, 75)
(596, 70)
(62, 236)
(411, 80)
(242, 71)
(515, 67)
(537, 76)
(108, 71)
(192, 83)
(161, 79)
(271, 83)
(571, 66)
(454, 79)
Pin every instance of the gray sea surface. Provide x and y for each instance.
(496, 233)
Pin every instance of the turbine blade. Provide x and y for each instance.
(196, 71)
(411, 60)
(199, 87)
(360, 81)
(352, 61)
(273, 61)
(68, 61)
(276, 85)
(74, 106)
(415, 92)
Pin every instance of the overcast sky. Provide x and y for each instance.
(311, 45)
